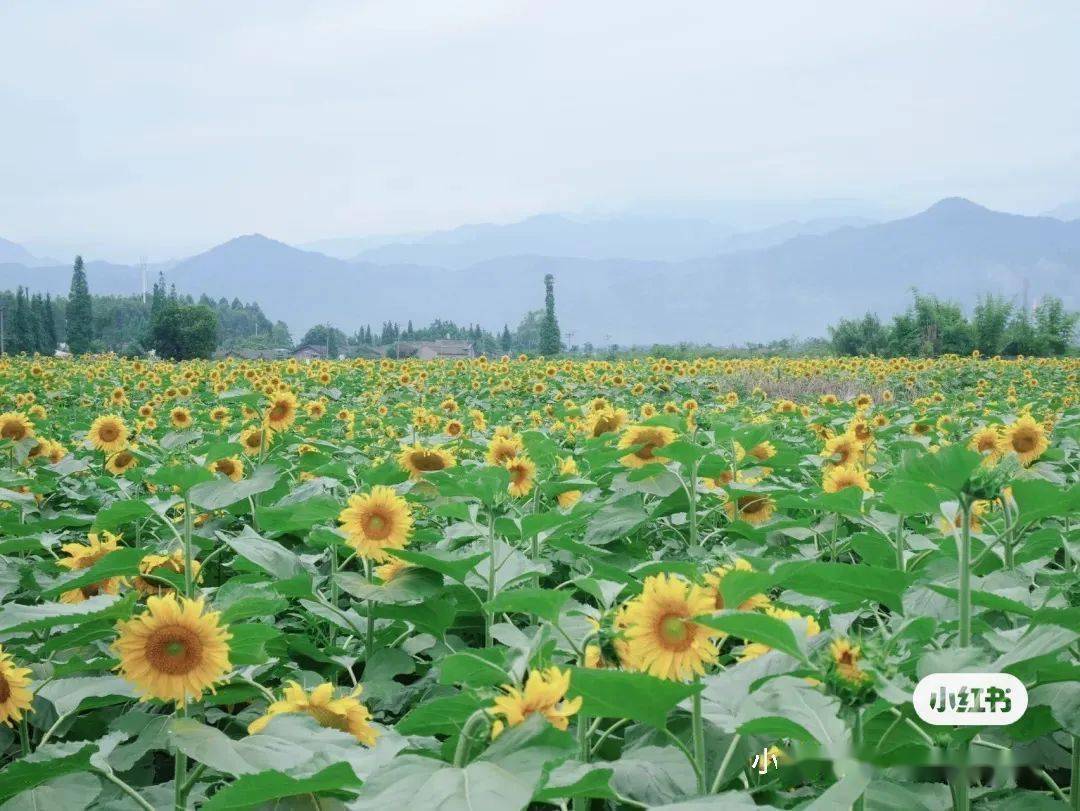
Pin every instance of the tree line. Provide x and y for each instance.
(931, 327)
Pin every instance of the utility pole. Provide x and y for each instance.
(142, 273)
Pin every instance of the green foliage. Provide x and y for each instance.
(80, 312)
(182, 331)
(930, 327)
(550, 340)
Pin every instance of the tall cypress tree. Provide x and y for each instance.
(550, 339)
(506, 340)
(80, 328)
(37, 322)
(50, 326)
(22, 325)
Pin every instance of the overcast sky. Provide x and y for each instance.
(166, 127)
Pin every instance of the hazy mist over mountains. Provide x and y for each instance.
(638, 278)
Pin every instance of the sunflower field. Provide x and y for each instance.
(499, 584)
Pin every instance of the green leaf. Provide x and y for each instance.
(755, 627)
(299, 517)
(634, 696)
(413, 585)
(911, 498)
(17, 618)
(456, 567)
(123, 561)
(70, 792)
(842, 582)
(253, 789)
(440, 716)
(616, 520)
(252, 643)
(264, 553)
(121, 512)
(220, 493)
(544, 603)
(483, 667)
(949, 468)
(47, 763)
(424, 784)
(68, 695)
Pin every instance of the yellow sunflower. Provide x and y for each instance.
(522, 475)
(842, 476)
(377, 521)
(544, 693)
(846, 657)
(83, 556)
(15, 426)
(987, 441)
(346, 714)
(650, 438)
(715, 578)
(108, 433)
(753, 508)
(173, 651)
(1026, 438)
(503, 448)
(607, 421)
(419, 460)
(662, 637)
(568, 498)
(230, 466)
(844, 449)
(121, 462)
(253, 440)
(281, 412)
(15, 698)
(180, 417)
(152, 564)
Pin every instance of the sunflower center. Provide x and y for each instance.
(109, 433)
(674, 632)
(377, 526)
(751, 504)
(427, 461)
(12, 430)
(328, 718)
(279, 412)
(1023, 442)
(225, 466)
(5, 689)
(987, 443)
(123, 459)
(174, 650)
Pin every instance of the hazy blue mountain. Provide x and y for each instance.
(12, 252)
(558, 235)
(1066, 211)
(955, 249)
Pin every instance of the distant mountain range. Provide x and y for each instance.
(634, 280)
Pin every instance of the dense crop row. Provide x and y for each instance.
(495, 583)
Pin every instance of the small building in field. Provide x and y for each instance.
(309, 352)
(439, 349)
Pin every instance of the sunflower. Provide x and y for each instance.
(846, 657)
(180, 417)
(843, 476)
(254, 440)
(662, 637)
(544, 693)
(1026, 438)
(987, 441)
(15, 426)
(502, 448)
(649, 438)
(173, 651)
(388, 571)
(607, 421)
(844, 449)
(121, 462)
(568, 498)
(229, 466)
(281, 412)
(454, 428)
(108, 433)
(83, 556)
(146, 583)
(419, 460)
(753, 508)
(715, 578)
(346, 714)
(377, 521)
(522, 471)
(15, 698)
(978, 509)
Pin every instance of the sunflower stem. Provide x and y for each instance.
(189, 580)
(698, 732)
(691, 511)
(369, 644)
(24, 736)
(1074, 785)
(489, 615)
(124, 787)
(1006, 536)
(900, 542)
(464, 744)
(180, 767)
(965, 572)
(728, 755)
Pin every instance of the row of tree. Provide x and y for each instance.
(931, 327)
